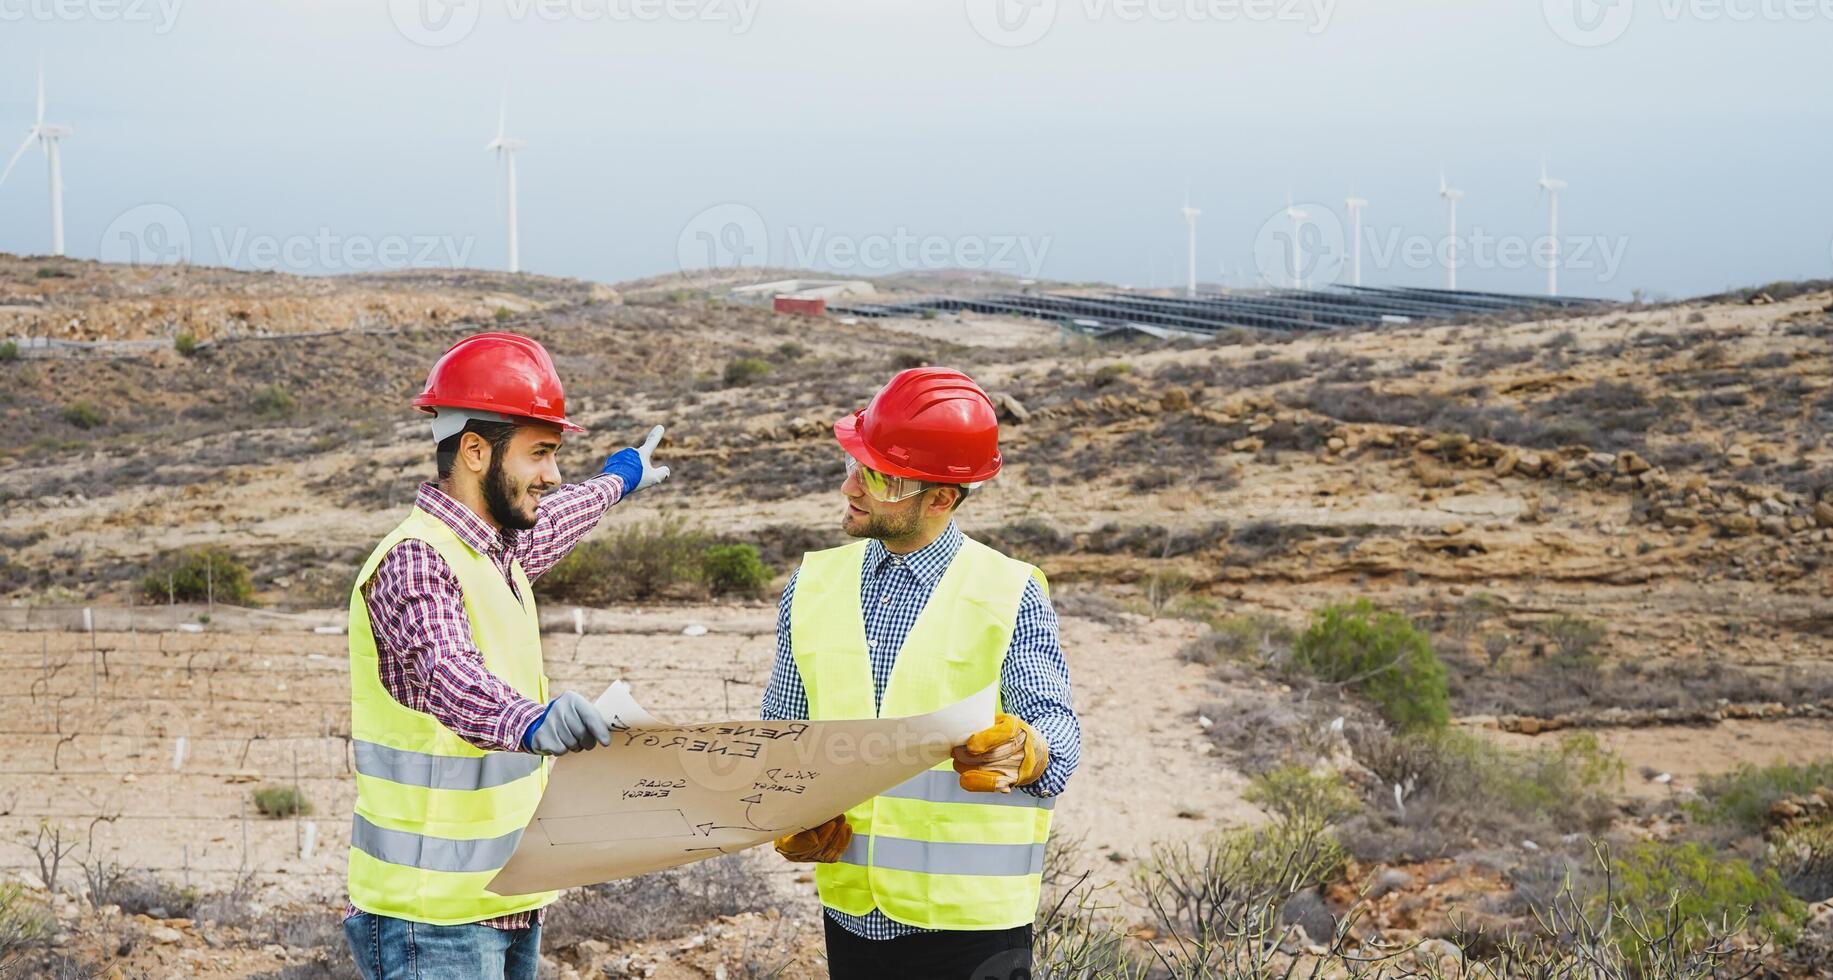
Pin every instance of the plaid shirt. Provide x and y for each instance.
(1033, 679)
(423, 638)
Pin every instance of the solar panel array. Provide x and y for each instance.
(1101, 314)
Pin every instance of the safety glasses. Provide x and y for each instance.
(882, 487)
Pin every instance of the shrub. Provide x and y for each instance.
(1229, 884)
(1110, 373)
(502, 314)
(1297, 796)
(640, 561)
(83, 414)
(1575, 637)
(139, 892)
(1742, 798)
(52, 272)
(1455, 786)
(24, 922)
(9, 350)
(663, 904)
(744, 371)
(1805, 857)
(272, 402)
(1254, 637)
(282, 801)
(1381, 654)
(200, 573)
(185, 343)
(789, 350)
(735, 569)
(1702, 888)
(1030, 540)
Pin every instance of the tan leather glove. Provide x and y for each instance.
(824, 843)
(1011, 753)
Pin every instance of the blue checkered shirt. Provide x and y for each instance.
(1033, 680)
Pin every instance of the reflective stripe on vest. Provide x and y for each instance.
(926, 853)
(432, 853)
(443, 771)
(936, 857)
(436, 817)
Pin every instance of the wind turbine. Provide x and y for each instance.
(1297, 217)
(47, 135)
(1451, 198)
(1549, 189)
(1190, 219)
(1356, 206)
(505, 150)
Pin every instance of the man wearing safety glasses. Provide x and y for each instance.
(938, 878)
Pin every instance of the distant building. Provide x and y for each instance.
(802, 289)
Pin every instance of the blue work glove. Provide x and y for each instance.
(570, 724)
(635, 466)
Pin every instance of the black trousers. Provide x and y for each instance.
(1001, 954)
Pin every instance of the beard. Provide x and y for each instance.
(887, 527)
(500, 494)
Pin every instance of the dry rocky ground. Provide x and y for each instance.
(1616, 523)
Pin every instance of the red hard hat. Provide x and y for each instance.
(497, 372)
(928, 424)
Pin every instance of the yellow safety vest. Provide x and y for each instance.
(927, 853)
(436, 817)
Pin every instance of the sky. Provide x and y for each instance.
(1051, 139)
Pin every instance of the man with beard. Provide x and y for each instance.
(937, 879)
(451, 719)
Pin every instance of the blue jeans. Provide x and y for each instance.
(397, 949)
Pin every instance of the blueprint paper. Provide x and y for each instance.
(662, 795)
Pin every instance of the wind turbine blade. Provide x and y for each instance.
(22, 148)
(41, 93)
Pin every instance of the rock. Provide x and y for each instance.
(1823, 513)
(1631, 464)
(1335, 444)
(164, 935)
(1679, 517)
(1247, 445)
(1738, 525)
(1602, 462)
(1174, 400)
(1452, 529)
(1430, 473)
(1507, 463)
(1775, 527)
(1761, 299)
(586, 953)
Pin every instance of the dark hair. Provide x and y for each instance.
(497, 434)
